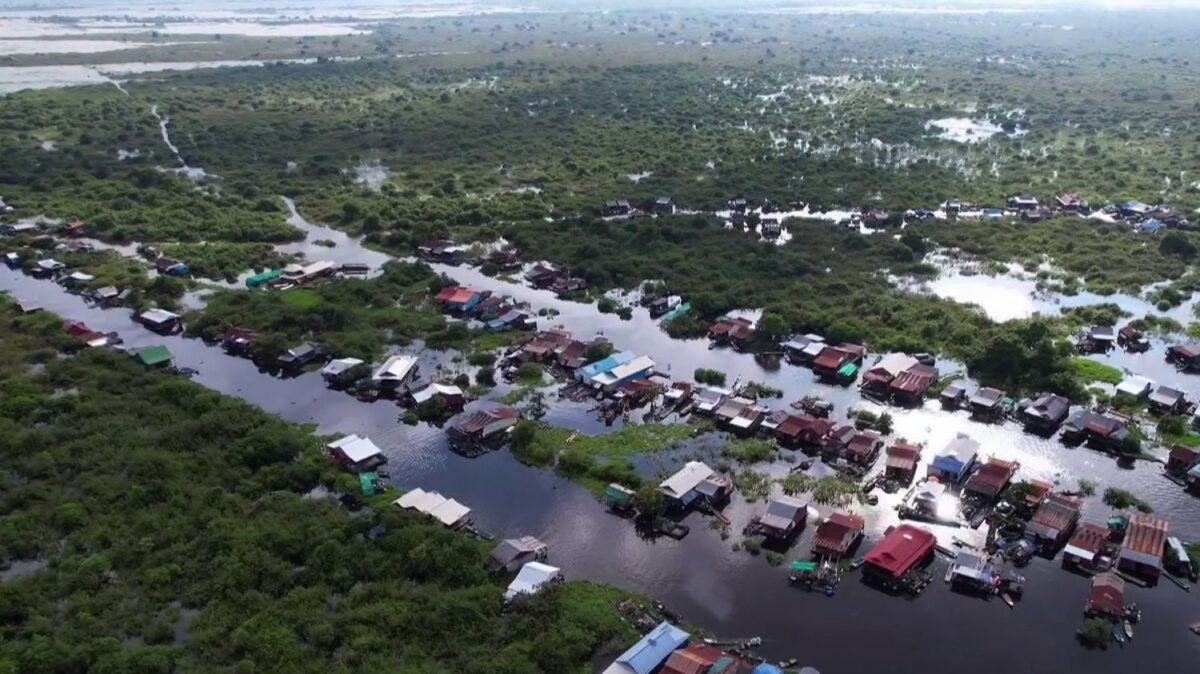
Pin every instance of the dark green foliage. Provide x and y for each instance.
(705, 375)
(177, 539)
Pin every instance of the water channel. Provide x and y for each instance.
(732, 594)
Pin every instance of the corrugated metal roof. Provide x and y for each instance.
(1146, 534)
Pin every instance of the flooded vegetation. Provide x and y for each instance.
(781, 178)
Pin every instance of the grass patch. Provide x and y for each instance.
(301, 298)
(749, 450)
(593, 460)
(1088, 370)
(755, 486)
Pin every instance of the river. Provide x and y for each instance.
(732, 594)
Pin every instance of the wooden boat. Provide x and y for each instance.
(1007, 599)
(1118, 634)
(1195, 628)
(1128, 629)
(857, 563)
(790, 662)
(1179, 581)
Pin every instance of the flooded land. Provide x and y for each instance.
(978, 188)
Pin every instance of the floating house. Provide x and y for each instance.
(863, 448)
(679, 393)
(531, 579)
(1142, 550)
(298, 356)
(618, 497)
(909, 387)
(1106, 598)
(730, 330)
(650, 651)
(356, 453)
(542, 346)
(1055, 519)
(877, 378)
(973, 573)
(785, 516)
(953, 396)
(1185, 356)
(1136, 386)
(803, 350)
(76, 280)
(440, 250)
(588, 372)
(1096, 339)
(708, 398)
(1104, 431)
(47, 268)
(632, 370)
(1168, 400)
(956, 461)
(1131, 339)
(397, 372)
(263, 278)
(695, 481)
(696, 658)
(171, 266)
(837, 535)
(154, 356)
(840, 363)
(1071, 202)
(664, 205)
(513, 319)
(1022, 202)
(615, 207)
(900, 551)
(449, 512)
(513, 553)
(804, 429)
(451, 396)
(572, 355)
(237, 340)
(991, 478)
(1045, 413)
(902, 459)
(1182, 458)
(160, 320)
(987, 402)
(459, 299)
(1086, 546)
(342, 371)
(484, 426)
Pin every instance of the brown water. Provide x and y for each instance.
(734, 594)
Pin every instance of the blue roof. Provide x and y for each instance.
(505, 319)
(993, 212)
(651, 650)
(948, 464)
(1151, 225)
(606, 364)
(766, 668)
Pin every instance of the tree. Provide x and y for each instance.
(1095, 632)
(650, 502)
(772, 326)
(597, 350)
(1176, 243)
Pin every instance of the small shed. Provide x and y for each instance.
(1106, 597)
(785, 515)
(512, 553)
(154, 356)
(531, 579)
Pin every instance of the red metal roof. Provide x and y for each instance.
(234, 334)
(77, 328)
(901, 550)
(1146, 534)
(837, 533)
(445, 294)
(799, 424)
(832, 357)
(863, 442)
(1184, 455)
(1107, 595)
(915, 379)
(994, 474)
(1089, 536)
(691, 659)
(903, 456)
(1057, 512)
(478, 421)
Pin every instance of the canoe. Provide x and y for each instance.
(1128, 630)
(1007, 598)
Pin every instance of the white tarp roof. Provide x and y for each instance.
(81, 276)
(340, 365)
(356, 449)
(624, 370)
(159, 316)
(423, 394)
(1079, 552)
(446, 510)
(531, 579)
(1135, 386)
(894, 363)
(397, 367)
(687, 479)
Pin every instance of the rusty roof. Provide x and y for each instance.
(1146, 534)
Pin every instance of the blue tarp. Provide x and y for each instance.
(948, 464)
(1150, 225)
(767, 668)
(604, 365)
(654, 648)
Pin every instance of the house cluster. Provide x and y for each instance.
(483, 309)
(547, 276)
(77, 281)
(667, 649)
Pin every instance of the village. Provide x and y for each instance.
(963, 486)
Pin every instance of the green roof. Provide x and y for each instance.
(367, 482)
(804, 566)
(154, 355)
(259, 279)
(848, 369)
(614, 492)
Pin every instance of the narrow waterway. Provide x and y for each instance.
(730, 593)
